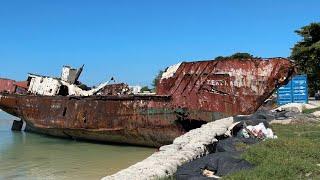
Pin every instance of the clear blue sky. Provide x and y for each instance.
(133, 39)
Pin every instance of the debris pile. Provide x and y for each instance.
(115, 90)
(259, 131)
(68, 85)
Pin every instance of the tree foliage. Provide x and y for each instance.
(306, 54)
(144, 89)
(238, 55)
(156, 80)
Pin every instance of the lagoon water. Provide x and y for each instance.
(32, 156)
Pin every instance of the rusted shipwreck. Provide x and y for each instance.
(188, 95)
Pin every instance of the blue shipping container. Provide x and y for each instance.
(295, 91)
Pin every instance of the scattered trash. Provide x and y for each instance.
(244, 133)
(308, 174)
(249, 127)
(209, 173)
(259, 131)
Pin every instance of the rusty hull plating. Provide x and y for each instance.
(188, 95)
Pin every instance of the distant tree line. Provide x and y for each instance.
(238, 55)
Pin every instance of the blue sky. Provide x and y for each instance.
(133, 39)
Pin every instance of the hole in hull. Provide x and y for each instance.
(189, 124)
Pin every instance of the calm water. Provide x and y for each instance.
(32, 156)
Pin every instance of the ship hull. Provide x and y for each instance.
(136, 120)
(131, 137)
(189, 94)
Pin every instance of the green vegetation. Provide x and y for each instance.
(145, 88)
(156, 80)
(240, 146)
(294, 155)
(238, 55)
(306, 54)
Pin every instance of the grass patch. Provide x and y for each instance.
(309, 111)
(294, 155)
(240, 146)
